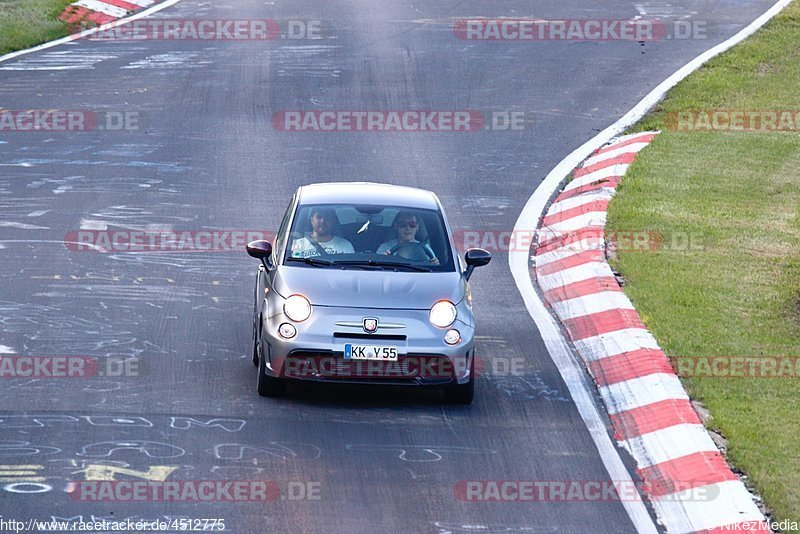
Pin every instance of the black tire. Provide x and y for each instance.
(269, 386)
(255, 344)
(462, 393)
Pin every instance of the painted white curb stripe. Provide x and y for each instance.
(590, 218)
(614, 343)
(601, 174)
(731, 503)
(102, 7)
(589, 304)
(638, 392)
(633, 147)
(141, 3)
(575, 274)
(626, 137)
(571, 249)
(669, 444)
(580, 200)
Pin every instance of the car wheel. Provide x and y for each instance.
(269, 386)
(462, 393)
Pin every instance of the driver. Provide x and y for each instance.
(405, 225)
(321, 237)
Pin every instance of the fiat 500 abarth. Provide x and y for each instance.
(363, 285)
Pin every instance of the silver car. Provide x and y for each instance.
(363, 285)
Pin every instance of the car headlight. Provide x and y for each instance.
(443, 313)
(297, 308)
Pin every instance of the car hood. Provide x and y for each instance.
(369, 289)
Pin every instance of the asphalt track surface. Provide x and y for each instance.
(205, 156)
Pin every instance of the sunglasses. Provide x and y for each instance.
(407, 224)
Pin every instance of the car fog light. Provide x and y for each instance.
(452, 337)
(287, 331)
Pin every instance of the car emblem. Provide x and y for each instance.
(370, 325)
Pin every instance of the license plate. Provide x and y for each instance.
(370, 352)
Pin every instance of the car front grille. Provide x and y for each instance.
(323, 365)
(379, 337)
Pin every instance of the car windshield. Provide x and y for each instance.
(369, 237)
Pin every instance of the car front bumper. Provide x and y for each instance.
(316, 352)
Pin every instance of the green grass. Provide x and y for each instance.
(26, 23)
(740, 295)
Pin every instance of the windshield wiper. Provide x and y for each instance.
(312, 261)
(383, 263)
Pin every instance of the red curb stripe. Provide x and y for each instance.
(684, 473)
(651, 417)
(644, 138)
(582, 288)
(602, 323)
(123, 4)
(622, 159)
(574, 236)
(571, 261)
(75, 14)
(563, 215)
(611, 182)
(754, 527)
(629, 365)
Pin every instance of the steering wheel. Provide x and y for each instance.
(412, 251)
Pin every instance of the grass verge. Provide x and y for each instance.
(736, 291)
(26, 23)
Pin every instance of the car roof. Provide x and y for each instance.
(367, 193)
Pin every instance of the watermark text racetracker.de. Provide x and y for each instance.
(125, 240)
(579, 491)
(406, 366)
(408, 120)
(67, 367)
(738, 367)
(194, 490)
(67, 120)
(534, 29)
(211, 30)
(734, 120)
(579, 241)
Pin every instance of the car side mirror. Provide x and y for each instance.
(261, 250)
(476, 257)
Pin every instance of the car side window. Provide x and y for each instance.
(280, 238)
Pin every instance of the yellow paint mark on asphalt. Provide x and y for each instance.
(157, 473)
